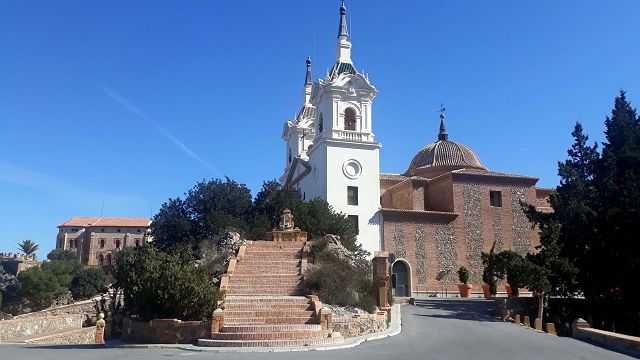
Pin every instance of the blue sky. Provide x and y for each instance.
(131, 103)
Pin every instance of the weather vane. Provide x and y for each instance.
(442, 109)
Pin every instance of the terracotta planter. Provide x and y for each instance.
(465, 290)
(508, 289)
(486, 291)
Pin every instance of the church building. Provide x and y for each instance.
(439, 215)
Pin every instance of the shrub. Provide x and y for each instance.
(164, 285)
(88, 282)
(40, 286)
(463, 275)
(340, 280)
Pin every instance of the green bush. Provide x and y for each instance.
(157, 284)
(88, 282)
(40, 286)
(339, 280)
(463, 275)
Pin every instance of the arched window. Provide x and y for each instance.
(350, 119)
(117, 243)
(108, 259)
(321, 123)
(100, 259)
(102, 243)
(137, 242)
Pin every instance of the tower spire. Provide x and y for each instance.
(442, 135)
(342, 29)
(307, 80)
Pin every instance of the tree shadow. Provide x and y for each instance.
(474, 310)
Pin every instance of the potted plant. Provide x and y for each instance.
(465, 287)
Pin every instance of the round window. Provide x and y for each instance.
(352, 169)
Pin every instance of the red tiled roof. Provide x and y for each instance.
(107, 221)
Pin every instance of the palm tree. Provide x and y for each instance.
(28, 247)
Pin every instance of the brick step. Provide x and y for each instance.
(258, 288)
(258, 299)
(268, 276)
(269, 328)
(257, 307)
(268, 343)
(281, 292)
(271, 335)
(284, 244)
(237, 314)
(270, 257)
(271, 321)
(272, 251)
(273, 282)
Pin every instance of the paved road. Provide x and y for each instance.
(436, 329)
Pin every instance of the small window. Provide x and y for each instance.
(117, 243)
(118, 230)
(138, 230)
(354, 223)
(350, 119)
(102, 242)
(321, 123)
(108, 259)
(137, 242)
(72, 243)
(100, 259)
(352, 195)
(495, 198)
(102, 230)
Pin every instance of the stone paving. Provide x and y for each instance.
(433, 329)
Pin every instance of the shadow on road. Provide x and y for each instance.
(475, 310)
(64, 347)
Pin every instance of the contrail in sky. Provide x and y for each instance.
(139, 113)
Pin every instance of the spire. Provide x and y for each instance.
(307, 80)
(442, 135)
(342, 29)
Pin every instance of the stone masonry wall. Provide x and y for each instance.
(23, 327)
(80, 336)
(359, 325)
(85, 308)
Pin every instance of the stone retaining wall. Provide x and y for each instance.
(165, 331)
(79, 336)
(23, 327)
(86, 308)
(614, 341)
(360, 324)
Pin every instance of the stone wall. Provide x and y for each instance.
(361, 324)
(85, 308)
(165, 331)
(79, 336)
(23, 327)
(619, 342)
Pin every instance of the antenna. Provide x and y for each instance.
(102, 209)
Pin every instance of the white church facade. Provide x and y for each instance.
(331, 149)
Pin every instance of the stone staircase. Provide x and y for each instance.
(266, 303)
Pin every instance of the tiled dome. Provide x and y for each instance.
(445, 153)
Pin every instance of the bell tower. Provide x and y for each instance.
(341, 163)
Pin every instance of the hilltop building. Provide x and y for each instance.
(437, 216)
(95, 238)
(14, 263)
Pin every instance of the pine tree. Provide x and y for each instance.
(617, 181)
(574, 204)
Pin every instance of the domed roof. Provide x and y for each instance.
(445, 153)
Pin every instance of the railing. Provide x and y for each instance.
(352, 135)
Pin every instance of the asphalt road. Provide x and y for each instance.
(437, 329)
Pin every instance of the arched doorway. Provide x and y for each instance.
(400, 279)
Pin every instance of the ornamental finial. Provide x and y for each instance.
(442, 135)
(342, 29)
